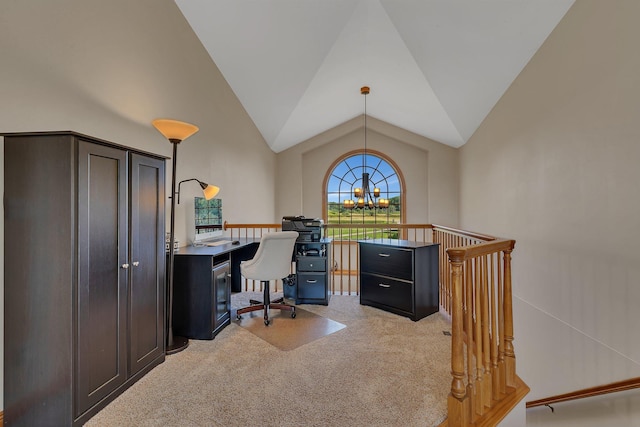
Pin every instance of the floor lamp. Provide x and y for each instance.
(176, 132)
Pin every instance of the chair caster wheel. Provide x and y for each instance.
(293, 314)
(266, 323)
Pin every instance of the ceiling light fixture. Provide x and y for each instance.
(364, 197)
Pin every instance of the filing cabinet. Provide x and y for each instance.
(399, 276)
(312, 272)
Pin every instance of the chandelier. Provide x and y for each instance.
(365, 198)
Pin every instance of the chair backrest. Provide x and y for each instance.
(273, 258)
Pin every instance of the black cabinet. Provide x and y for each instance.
(202, 295)
(84, 274)
(399, 276)
(313, 281)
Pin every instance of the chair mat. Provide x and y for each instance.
(284, 332)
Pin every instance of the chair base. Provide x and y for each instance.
(265, 305)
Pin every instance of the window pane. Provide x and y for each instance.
(348, 175)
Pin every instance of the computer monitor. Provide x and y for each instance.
(207, 221)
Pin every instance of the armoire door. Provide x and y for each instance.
(146, 288)
(100, 359)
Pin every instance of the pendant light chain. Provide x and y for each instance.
(365, 91)
(363, 195)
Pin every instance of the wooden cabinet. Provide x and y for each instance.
(399, 276)
(202, 295)
(84, 274)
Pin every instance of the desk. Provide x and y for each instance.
(203, 280)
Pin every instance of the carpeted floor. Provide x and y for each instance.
(379, 370)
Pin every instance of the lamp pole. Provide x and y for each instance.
(174, 343)
(175, 131)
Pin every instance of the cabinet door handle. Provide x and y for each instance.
(384, 255)
(311, 281)
(384, 285)
(136, 263)
(125, 266)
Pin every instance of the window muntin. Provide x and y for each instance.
(347, 175)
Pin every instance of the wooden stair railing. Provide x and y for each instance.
(485, 387)
(630, 384)
(250, 231)
(449, 238)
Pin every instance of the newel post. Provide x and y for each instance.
(458, 412)
(510, 355)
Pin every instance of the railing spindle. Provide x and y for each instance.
(458, 401)
(510, 356)
(495, 375)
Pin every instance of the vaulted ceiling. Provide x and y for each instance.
(435, 67)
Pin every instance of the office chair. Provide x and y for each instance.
(272, 261)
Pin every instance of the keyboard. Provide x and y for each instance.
(217, 243)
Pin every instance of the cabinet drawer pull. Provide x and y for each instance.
(384, 285)
(311, 281)
(136, 263)
(125, 266)
(384, 255)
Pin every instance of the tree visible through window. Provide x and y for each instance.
(347, 175)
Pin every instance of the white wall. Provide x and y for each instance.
(107, 69)
(555, 166)
(430, 170)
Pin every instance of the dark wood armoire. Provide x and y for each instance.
(84, 280)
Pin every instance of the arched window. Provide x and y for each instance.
(348, 173)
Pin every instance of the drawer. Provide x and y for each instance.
(392, 293)
(312, 285)
(311, 263)
(386, 260)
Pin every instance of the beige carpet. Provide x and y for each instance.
(379, 370)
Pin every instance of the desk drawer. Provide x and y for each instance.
(312, 285)
(388, 261)
(385, 291)
(311, 263)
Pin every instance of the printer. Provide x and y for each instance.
(309, 229)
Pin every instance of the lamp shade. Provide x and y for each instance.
(209, 190)
(174, 129)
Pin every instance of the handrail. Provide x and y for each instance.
(630, 384)
(370, 225)
(228, 226)
(463, 254)
(463, 233)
